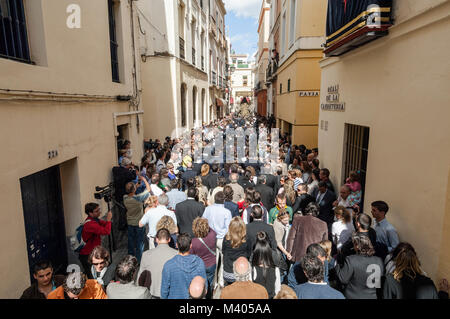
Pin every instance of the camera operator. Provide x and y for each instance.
(135, 211)
(93, 229)
(121, 176)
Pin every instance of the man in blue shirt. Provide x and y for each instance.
(316, 287)
(175, 195)
(219, 219)
(179, 271)
(387, 236)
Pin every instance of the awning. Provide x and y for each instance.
(220, 102)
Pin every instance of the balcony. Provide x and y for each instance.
(182, 48)
(271, 71)
(203, 63)
(258, 86)
(212, 26)
(355, 27)
(193, 56)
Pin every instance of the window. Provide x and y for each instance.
(183, 105)
(13, 31)
(193, 43)
(292, 22)
(113, 42)
(356, 148)
(281, 88)
(283, 34)
(289, 85)
(194, 104)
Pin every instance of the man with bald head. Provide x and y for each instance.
(243, 287)
(197, 288)
(343, 199)
(238, 190)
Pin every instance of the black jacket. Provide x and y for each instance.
(326, 212)
(190, 173)
(255, 227)
(33, 292)
(271, 181)
(197, 167)
(420, 288)
(267, 196)
(186, 212)
(121, 176)
(355, 273)
(301, 202)
(211, 181)
(245, 182)
(347, 248)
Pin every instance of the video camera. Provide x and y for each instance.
(105, 192)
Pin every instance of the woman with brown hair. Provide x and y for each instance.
(204, 246)
(361, 273)
(342, 229)
(306, 172)
(101, 269)
(234, 246)
(408, 280)
(204, 172)
(202, 190)
(248, 199)
(168, 223)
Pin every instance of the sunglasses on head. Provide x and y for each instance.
(100, 263)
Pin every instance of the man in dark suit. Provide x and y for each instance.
(190, 173)
(122, 175)
(187, 211)
(325, 199)
(303, 199)
(258, 225)
(245, 181)
(211, 180)
(324, 176)
(266, 192)
(197, 167)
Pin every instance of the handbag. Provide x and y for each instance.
(212, 252)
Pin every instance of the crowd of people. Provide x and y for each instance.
(239, 230)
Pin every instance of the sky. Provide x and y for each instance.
(242, 23)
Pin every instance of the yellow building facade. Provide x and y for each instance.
(62, 114)
(298, 76)
(389, 99)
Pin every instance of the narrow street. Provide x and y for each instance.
(221, 149)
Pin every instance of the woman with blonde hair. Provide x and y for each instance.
(342, 229)
(168, 223)
(151, 202)
(234, 246)
(408, 280)
(202, 190)
(290, 192)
